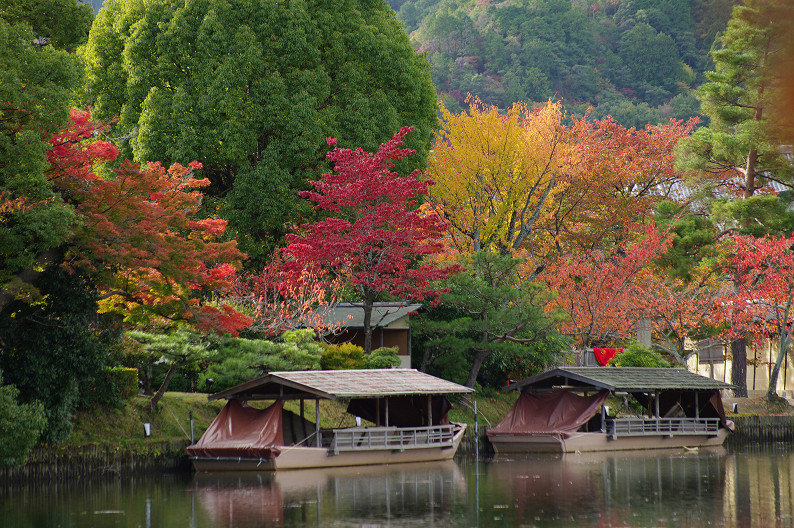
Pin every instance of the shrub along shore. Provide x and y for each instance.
(112, 442)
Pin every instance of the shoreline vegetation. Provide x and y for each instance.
(110, 442)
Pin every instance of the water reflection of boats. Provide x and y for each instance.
(615, 483)
(271, 499)
(408, 409)
(564, 410)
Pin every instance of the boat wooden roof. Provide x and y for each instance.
(619, 379)
(341, 384)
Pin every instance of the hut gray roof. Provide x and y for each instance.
(619, 379)
(351, 315)
(341, 384)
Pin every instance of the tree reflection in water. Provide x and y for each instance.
(734, 488)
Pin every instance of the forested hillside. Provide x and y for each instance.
(637, 60)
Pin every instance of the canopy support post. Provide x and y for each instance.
(317, 422)
(697, 405)
(656, 404)
(429, 410)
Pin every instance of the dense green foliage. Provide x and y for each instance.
(634, 59)
(63, 24)
(56, 351)
(637, 355)
(20, 425)
(343, 356)
(251, 90)
(36, 87)
(350, 356)
(491, 326)
(237, 360)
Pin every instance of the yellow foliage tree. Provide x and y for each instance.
(496, 174)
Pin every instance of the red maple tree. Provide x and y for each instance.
(377, 234)
(155, 262)
(676, 310)
(281, 301)
(760, 303)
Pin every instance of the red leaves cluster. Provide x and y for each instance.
(761, 300)
(378, 233)
(597, 290)
(281, 301)
(138, 232)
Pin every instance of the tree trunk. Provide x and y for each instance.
(425, 359)
(368, 304)
(475, 367)
(783, 342)
(168, 375)
(739, 367)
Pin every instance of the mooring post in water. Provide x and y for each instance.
(191, 427)
(476, 431)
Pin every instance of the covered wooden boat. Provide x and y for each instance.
(408, 409)
(564, 411)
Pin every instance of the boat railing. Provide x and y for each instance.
(395, 438)
(662, 426)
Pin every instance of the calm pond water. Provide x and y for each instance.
(737, 488)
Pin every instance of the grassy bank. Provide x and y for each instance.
(171, 420)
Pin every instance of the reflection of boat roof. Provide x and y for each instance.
(619, 379)
(341, 384)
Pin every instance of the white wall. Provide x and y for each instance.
(763, 360)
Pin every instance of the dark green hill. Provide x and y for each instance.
(637, 60)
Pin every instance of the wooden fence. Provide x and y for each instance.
(62, 463)
(762, 429)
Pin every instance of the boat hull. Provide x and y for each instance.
(585, 442)
(299, 457)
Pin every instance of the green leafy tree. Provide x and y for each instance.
(36, 84)
(503, 314)
(383, 357)
(343, 356)
(56, 350)
(652, 58)
(237, 360)
(20, 425)
(637, 355)
(63, 24)
(251, 90)
(177, 349)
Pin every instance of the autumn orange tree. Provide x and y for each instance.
(596, 289)
(676, 310)
(154, 262)
(615, 176)
(376, 234)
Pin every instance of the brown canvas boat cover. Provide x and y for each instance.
(242, 431)
(553, 412)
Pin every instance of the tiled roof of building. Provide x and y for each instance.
(350, 315)
(621, 379)
(341, 384)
